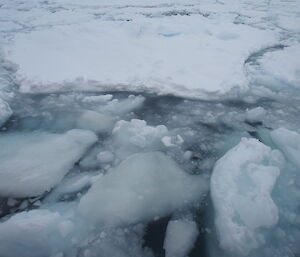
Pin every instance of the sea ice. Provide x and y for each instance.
(241, 185)
(94, 121)
(202, 57)
(135, 135)
(32, 163)
(143, 186)
(34, 234)
(255, 114)
(180, 237)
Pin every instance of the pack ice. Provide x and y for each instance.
(241, 189)
(34, 234)
(143, 187)
(33, 163)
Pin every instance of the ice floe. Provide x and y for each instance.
(33, 163)
(142, 187)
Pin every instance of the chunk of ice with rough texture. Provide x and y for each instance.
(289, 143)
(5, 112)
(32, 163)
(241, 187)
(34, 234)
(255, 114)
(120, 107)
(94, 121)
(105, 157)
(132, 136)
(180, 237)
(143, 186)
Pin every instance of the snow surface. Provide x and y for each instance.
(33, 163)
(201, 56)
(241, 188)
(142, 187)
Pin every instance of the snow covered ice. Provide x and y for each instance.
(163, 128)
(144, 186)
(241, 185)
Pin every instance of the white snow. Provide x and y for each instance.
(190, 56)
(5, 112)
(143, 186)
(180, 237)
(34, 234)
(32, 163)
(241, 187)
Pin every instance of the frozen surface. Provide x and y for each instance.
(142, 187)
(137, 48)
(237, 59)
(180, 237)
(33, 163)
(241, 188)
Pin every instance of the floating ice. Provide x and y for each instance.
(32, 163)
(5, 112)
(255, 114)
(184, 65)
(289, 143)
(180, 237)
(94, 121)
(123, 106)
(241, 187)
(34, 234)
(105, 157)
(142, 187)
(135, 135)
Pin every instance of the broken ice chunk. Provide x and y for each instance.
(132, 136)
(116, 197)
(34, 234)
(241, 187)
(94, 121)
(180, 237)
(32, 163)
(255, 115)
(123, 106)
(105, 157)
